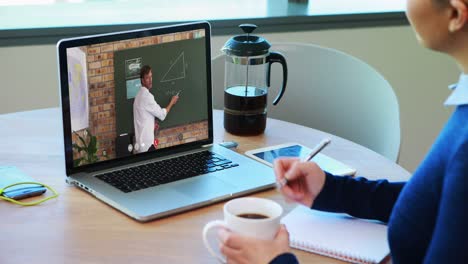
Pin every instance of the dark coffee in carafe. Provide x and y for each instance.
(245, 110)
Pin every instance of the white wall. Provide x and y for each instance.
(29, 78)
(419, 77)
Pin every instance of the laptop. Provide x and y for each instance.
(99, 80)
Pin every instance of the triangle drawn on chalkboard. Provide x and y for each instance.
(176, 70)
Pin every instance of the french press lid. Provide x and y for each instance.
(246, 45)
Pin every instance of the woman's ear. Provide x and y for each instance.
(459, 16)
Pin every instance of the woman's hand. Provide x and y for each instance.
(240, 249)
(305, 180)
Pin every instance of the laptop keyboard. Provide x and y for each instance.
(165, 171)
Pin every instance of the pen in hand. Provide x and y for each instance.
(283, 182)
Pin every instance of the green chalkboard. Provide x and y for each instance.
(176, 66)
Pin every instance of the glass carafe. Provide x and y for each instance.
(247, 79)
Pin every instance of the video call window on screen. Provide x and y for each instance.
(104, 79)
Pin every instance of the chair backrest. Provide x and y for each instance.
(331, 91)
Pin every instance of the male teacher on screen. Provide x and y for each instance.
(145, 109)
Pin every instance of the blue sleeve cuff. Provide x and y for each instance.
(328, 196)
(286, 258)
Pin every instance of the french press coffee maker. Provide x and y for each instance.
(247, 79)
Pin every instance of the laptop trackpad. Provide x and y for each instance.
(205, 187)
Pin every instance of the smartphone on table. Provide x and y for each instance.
(268, 154)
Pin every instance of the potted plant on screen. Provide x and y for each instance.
(88, 148)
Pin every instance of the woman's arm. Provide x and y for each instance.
(358, 197)
(448, 243)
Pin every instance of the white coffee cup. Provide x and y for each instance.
(238, 215)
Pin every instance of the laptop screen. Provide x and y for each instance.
(129, 94)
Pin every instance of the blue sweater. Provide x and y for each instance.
(427, 216)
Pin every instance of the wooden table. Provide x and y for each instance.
(77, 228)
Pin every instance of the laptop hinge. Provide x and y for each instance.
(207, 145)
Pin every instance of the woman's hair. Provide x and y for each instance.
(441, 2)
(445, 2)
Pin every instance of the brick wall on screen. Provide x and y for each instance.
(100, 63)
(182, 134)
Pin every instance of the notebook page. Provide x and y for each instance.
(337, 235)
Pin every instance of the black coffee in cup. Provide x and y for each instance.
(252, 216)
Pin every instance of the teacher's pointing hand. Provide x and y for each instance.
(174, 99)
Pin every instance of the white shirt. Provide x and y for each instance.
(145, 109)
(459, 95)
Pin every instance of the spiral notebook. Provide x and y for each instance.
(337, 235)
